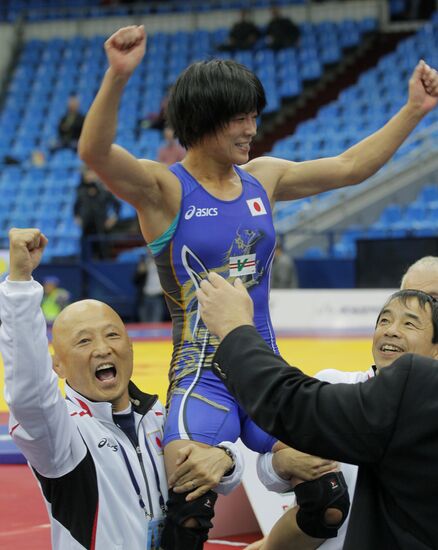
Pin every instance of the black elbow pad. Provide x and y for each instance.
(315, 497)
(177, 537)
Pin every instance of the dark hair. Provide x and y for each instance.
(208, 94)
(423, 298)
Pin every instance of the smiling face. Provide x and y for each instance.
(93, 352)
(208, 95)
(232, 143)
(403, 326)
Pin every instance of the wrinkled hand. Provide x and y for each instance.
(290, 463)
(199, 470)
(223, 306)
(26, 247)
(423, 88)
(125, 49)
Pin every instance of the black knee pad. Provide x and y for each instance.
(177, 537)
(314, 497)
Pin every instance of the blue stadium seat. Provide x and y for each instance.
(349, 32)
(19, 220)
(314, 252)
(368, 24)
(7, 203)
(344, 249)
(290, 87)
(429, 193)
(127, 211)
(132, 254)
(415, 212)
(311, 70)
(331, 54)
(64, 158)
(376, 233)
(390, 215)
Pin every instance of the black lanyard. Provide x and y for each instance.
(124, 428)
(134, 482)
(157, 477)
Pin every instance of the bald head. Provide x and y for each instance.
(422, 275)
(81, 316)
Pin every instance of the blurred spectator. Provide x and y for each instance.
(69, 127)
(69, 131)
(281, 31)
(151, 305)
(171, 151)
(96, 210)
(55, 298)
(283, 273)
(243, 34)
(157, 121)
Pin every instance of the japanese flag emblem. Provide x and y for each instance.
(256, 207)
(156, 439)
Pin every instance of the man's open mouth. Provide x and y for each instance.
(106, 372)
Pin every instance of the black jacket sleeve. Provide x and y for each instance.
(347, 422)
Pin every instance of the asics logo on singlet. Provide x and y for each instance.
(199, 212)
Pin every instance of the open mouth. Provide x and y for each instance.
(106, 372)
(390, 348)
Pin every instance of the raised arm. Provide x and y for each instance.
(145, 184)
(39, 422)
(287, 180)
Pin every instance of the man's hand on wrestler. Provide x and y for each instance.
(223, 306)
(296, 466)
(199, 470)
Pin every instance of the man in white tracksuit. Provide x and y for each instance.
(96, 454)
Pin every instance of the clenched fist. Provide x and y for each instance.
(423, 88)
(26, 247)
(125, 49)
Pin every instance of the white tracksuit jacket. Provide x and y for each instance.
(91, 487)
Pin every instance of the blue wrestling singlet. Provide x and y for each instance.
(235, 239)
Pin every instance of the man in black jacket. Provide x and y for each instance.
(388, 425)
(70, 126)
(243, 34)
(281, 32)
(96, 212)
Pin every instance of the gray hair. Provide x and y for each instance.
(427, 262)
